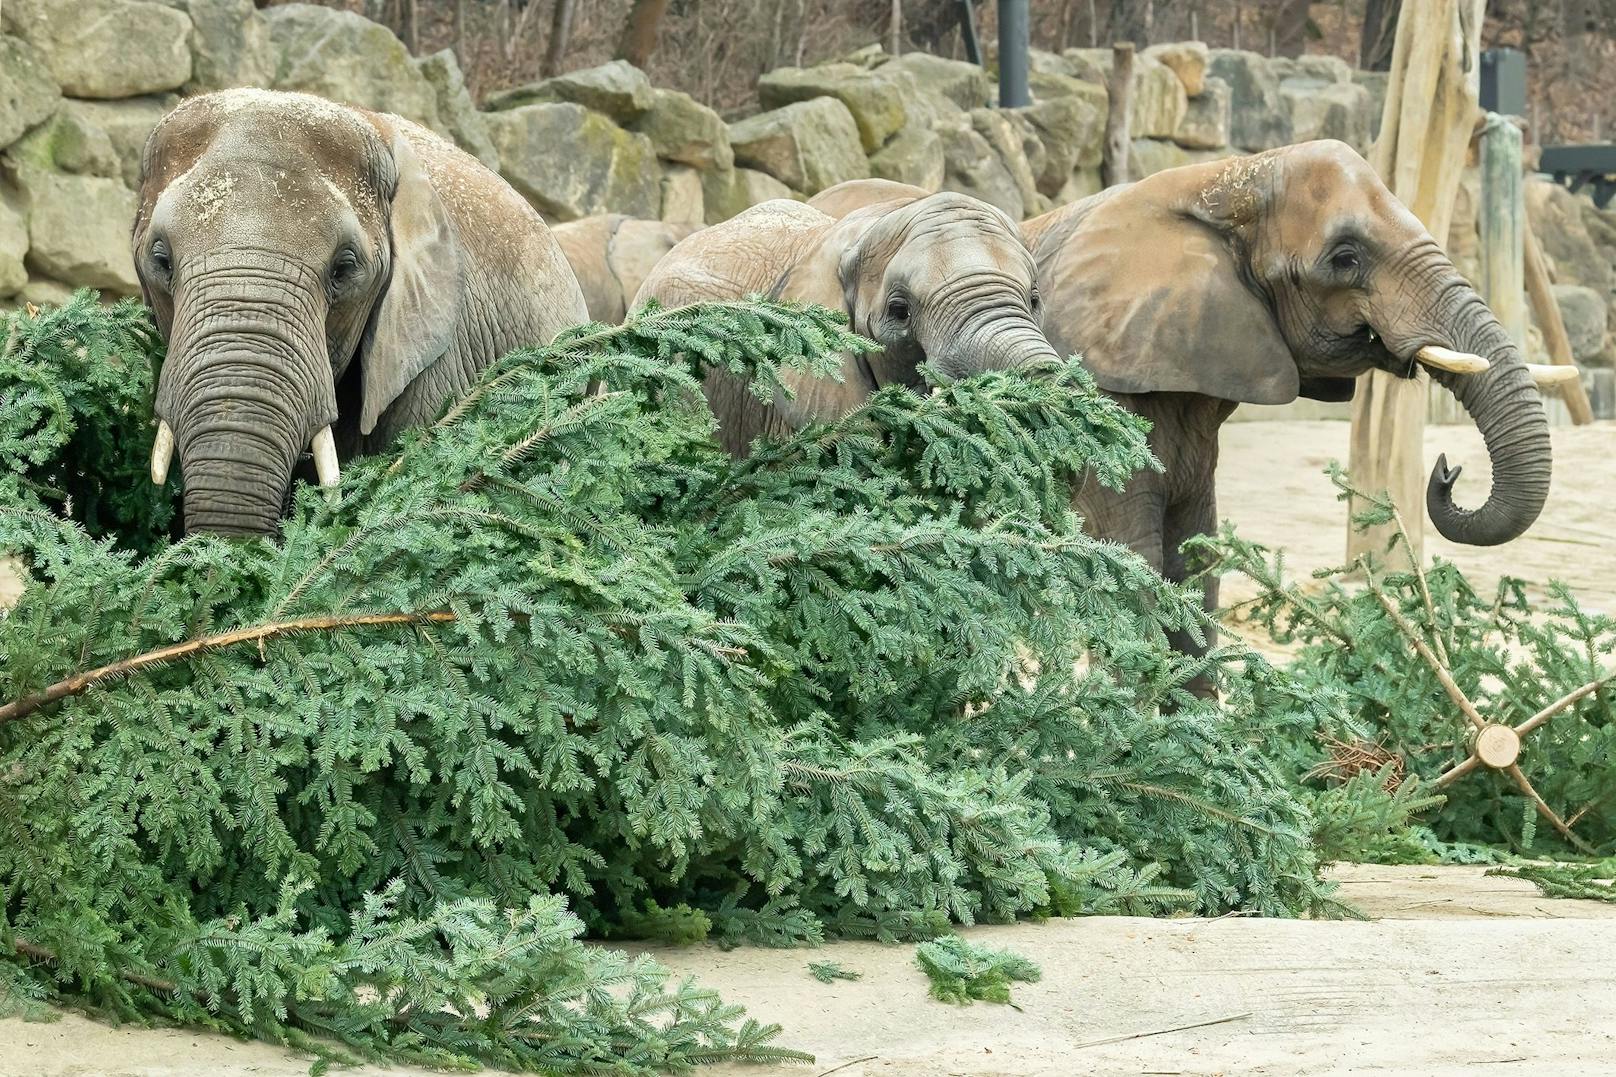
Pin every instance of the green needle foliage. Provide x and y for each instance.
(1593, 881)
(830, 971)
(75, 423)
(1510, 659)
(558, 652)
(962, 973)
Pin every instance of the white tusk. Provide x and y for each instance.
(325, 457)
(935, 389)
(1552, 377)
(162, 452)
(1440, 358)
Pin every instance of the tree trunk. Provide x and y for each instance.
(1425, 129)
(1380, 34)
(639, 38)
(560, 34)
(1114, 166)
(895, 28)
(409, 26)
(1290, 27)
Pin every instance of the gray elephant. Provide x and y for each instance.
(325, 277)
(1255, 280)
(941, 279)
(612, 255)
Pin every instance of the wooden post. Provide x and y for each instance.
(1425, 130)
(1114, 167)
(1547, 313)
(1501, 226)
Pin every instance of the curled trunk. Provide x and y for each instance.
(1508, 411)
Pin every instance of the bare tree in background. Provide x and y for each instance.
(639, 38)
(560, 35)
(1289, 30)
(1379, 32)
(895, 28)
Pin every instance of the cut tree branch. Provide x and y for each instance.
(83, 682)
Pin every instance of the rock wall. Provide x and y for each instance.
(82, 83)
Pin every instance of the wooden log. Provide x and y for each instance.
(1425, 130)
(1547, 314)
(1114, 167)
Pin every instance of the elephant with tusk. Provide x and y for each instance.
(1256, 280)
(325, 277)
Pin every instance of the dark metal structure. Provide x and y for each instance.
(1587, 165)
(1503, 81)
(1014, 41)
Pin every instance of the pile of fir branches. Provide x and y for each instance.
(1424, 661)
(558, 664)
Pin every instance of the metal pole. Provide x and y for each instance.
(1013, 43)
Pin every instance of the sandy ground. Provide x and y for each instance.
(1271, 483)
(1461, 974)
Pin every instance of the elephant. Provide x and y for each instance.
(612, 255)
(1256, 280)
(942, 279)
(324, 277)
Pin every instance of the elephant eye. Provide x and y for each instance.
(1345, 259)
(160, 259)
(898, 308)
(1035, 301)
(344, 265)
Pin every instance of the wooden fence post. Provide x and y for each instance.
(1501, 226)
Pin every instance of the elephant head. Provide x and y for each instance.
(314, 271)
(1289, 273)
(943, 279)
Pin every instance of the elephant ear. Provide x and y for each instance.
(415, 321)
(1147, 287)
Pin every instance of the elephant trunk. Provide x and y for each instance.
(1506, 407)
(245, 388)
(994, 332)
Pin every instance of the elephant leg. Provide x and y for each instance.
(1195, 515)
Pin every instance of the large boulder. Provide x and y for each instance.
(965, 86)
(616, 89)
(1555, 215)
(1148, 156)
(13, 247)
(456, 109)
(1072, 133)
(78, 228)
(105, 48)
(1018, 147)
(682, 199)
(976, 169)
(350, 59)
(1159, 101)
(1205, 125)
(67, 142)
(915, 155)
(126, 123)
(1187, 59)
(230, 44)
(685, 130)
(874, 97)
(571, 162)
(28, 93)
(1316, 66)
(1317, 109)
(1375, 83)
(726, 193)
(1583, 310)
(1089, 65)
(808, 146)
(1257, 120)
